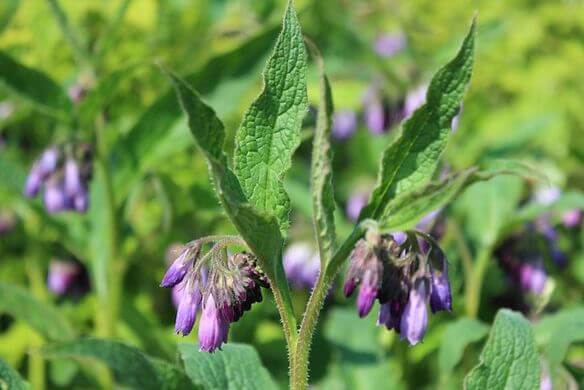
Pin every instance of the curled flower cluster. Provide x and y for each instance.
(392, 269)
(222, 286)
(64, 177)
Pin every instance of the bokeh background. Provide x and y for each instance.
(524, 102)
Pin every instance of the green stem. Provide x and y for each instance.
(36, 363)
(301, 352)
(474, 281)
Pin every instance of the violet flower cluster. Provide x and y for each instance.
(392, 269)
(64, 177)
(222, 286)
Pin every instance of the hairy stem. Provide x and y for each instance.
(300, 358)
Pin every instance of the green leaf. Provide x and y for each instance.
(10, 379)
(236, 367)
(509, 359)
(8, 9)
(457, 336)
(227, 71)
(410, 161)
(171, 377)
(270, 131)
(404, 211)
(34, 86)
(130, 366)
(323, 201)
(41, 316)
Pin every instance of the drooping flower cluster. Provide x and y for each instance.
(64, 176)
(222, 286)
(302, 265)
(392, 269)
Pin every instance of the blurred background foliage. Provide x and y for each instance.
(524, 102)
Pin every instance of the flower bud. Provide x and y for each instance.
(414, 319)
(213, 328)
(73, 183)
(441, 295)
(33, 183)
(190, 301)
(179, 267)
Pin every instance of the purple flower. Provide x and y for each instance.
(189, 304)
(355, 204)
(532, 277)
(302, 265)
(81, 201)
(33, 183)
(366, 298)
(76, 92)
(213, 328)
(73, 182)
(54, 197)
(414, 319)
(62, 275)
(441, 295)
(366, 269)
(547, 195)
(572, 218)
(179, 267)
(376, 116)
(390, 314)
(47, 164)
(389, 44)
(344, 124)
(400, 237)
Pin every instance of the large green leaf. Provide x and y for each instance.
(270, 131)
(130, 366)
(236, 367)
(323, 201)
(41, 316)
(509, 359)
(34, 86)
(457, 336)
(8, 9)
(410, 161)
(10, 379)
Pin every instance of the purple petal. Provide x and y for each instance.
(414, 320)
(213, 329)
(366, 298)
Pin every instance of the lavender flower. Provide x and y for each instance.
(532, 277)
(179, 267)
(54, 198)
(414, 319)
(376, 116)
(547, 195)
(188, 305)
(302, 265)
(344, 124)
(213, 328)
(355, 204)
(441, 295)
(390, 314)
(389, 44)
(62, 276)
(572, 219)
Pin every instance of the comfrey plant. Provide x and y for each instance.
(250, 189)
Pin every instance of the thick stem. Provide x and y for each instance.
(301, 352)
(36, 363)
(474, 281)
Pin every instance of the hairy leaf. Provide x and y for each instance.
(457, 336)
(10, 378)
(34, 86)
(236, 367)
(509, 359)
(404, 211)
(410, 161)
(41, 316)
(270, 131)
(323, 201)
(130, 366)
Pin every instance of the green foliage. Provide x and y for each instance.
(457, 336)
(130, 366)
(235, 367)
(411, 160)
(41, 316)
(509, 359)
(10, 379)
(270, 131)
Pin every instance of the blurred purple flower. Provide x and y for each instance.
(355, 204)
(344, 124)
(441, 295)
(76, 92)
(62, 276)
(302, 265)
(390, 314)
(532, 277)
(188, 305)
(389, 44)
(572, 219)
(54, 197)
(547, 195)
(414, 319)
